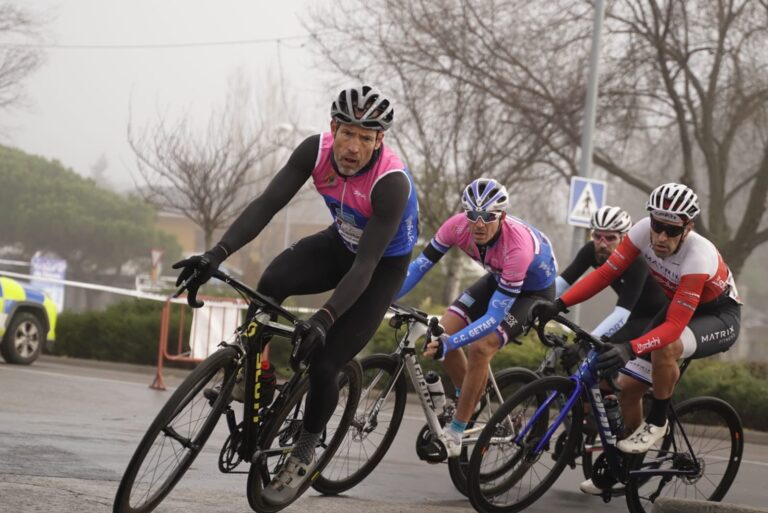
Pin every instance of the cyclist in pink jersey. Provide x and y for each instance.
(702, 317)
(521, 268)
(363, 255)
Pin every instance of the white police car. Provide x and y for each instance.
(27, 321)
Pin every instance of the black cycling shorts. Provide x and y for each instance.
(473, 304)
(316, 264)
(713, 328)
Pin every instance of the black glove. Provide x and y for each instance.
(572, 355)
(308, 335)
(204, 264)
(545, 310)
(614, 358)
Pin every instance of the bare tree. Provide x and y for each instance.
(447, 131)
(17, 58)
(683, 87)
(206, 178)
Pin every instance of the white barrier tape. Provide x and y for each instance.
(140, 294)
(131, 292)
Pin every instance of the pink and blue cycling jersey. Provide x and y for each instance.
(349, 198)
(520, 259)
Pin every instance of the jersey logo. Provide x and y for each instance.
(329, 179)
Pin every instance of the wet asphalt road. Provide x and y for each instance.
(68, 429)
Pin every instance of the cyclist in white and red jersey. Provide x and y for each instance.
(702, 317)
(521, 268)
(363, 255)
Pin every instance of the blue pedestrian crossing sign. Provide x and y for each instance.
(587, 195)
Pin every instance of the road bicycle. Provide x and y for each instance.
(515, 459)
(382, 406)
(266, 431)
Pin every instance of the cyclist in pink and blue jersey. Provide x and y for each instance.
(521, 268)
(363, 255)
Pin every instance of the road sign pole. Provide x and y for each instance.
(579, 234)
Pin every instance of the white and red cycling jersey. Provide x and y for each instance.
(695, 274)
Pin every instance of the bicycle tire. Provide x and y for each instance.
(360, 443)
(286, 427)
(508, 381)
(716, 435)
(218, 368)
(489, 485)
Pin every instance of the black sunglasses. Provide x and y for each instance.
(485, 216)
(670, 229)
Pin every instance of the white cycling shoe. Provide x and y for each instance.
(643, 438)
(452, 444)
(591, 488)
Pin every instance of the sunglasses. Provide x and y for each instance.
(670, 229)
(610, 238)
(484, 216)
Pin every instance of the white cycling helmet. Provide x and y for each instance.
(673, 202)
(363, 106)
(485, 194)
(611, 219)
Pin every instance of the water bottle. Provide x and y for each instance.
(435, 388)
(613, 412)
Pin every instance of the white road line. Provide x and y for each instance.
(79, 378)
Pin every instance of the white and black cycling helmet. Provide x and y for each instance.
(673, 202)
(485, 195)
(363, 106)
(611, 219)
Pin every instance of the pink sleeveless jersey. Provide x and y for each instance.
(349, 198)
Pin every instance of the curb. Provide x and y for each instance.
(670, 505)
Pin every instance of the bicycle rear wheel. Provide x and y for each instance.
(177, 435)
(714, 431)
(373, 428)
(279, 440)
(507, 474)
(509, 381)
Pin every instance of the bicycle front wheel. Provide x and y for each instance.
(706, 469)
(517, 458)
(277, 444)
(373, 429)
(177, 435)
(509, 381)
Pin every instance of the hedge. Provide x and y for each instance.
(128, 332)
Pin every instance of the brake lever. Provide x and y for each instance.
(433, 330)
(192, 294)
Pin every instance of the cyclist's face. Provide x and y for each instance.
(483, 232)
(605, 243)
(663, 245)
(353, 146)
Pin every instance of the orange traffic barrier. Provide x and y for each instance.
(211, 324)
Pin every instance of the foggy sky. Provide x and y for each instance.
(77, 103)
